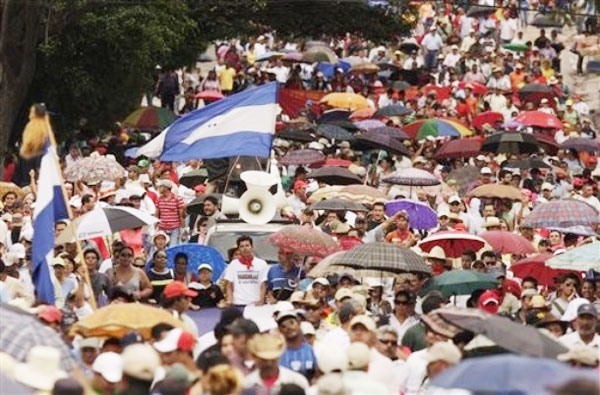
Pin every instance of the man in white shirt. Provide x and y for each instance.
(413, 62)
(339, 336)
(508, 27)
(452, 58)
(246, 276)
(586, 335)
(297, 200)
(432, 43)
(587, 195)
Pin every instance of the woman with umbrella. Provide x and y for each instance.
(133, 280)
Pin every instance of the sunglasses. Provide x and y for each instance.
(389, 342)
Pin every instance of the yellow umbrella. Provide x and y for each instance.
(116, 320)
(350, 101)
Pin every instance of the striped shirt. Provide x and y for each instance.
(169, 212)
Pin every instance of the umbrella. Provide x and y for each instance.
(334, 115)
(319, 53)
(409, 46)
(543, 21)
(510, 374)
(104, 221)
(453, 243)
(269, 55)
(510, 335)
(210, 95)
(302, 133)
(516, 47)
(581, 144)
(292, 56)
(198, 254)
(335, 175)
(459, 148)
(346, 124)
(436, 127)
(394, 110)
(6, 187)
(329, 265)
(480, 11)
(400, 86)
(150, 118)
(489, 117)
(547, 143)
(367, 68)
(508, 243)
(196, 206)
(315, 43)
(337, 162)
(350, 101)
(459, 282)
(510, 143)
(420, 215)
(116, 320)
(562, 213)
(374, 140)
(369, 124)
(334, 132)
(392, 132)
(355, 193)
(582, 258)
(535, 267)
(535, 88)
(476, 87)
(365, 113)
(578, 230)
(95, 167)
(412, 177)
(20, 331)
(303, 157)
(536, 92)
(539, 119)
(304, 241)
(464, 177)
(528, 163)
(338, 205)
(496, 191)
(194, 177)
(385, 257)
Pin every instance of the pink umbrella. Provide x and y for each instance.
(508, 243)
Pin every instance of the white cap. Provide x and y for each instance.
(486, 170)
(109, 365)
(358, 355)
(321, 280)
(165, 183)
(307, 328)
(170, 341)
(481, 157)
(547, 186)
(444, 351)
(18, 250)
(205, 266)
(454, 198)
(27, 233)
(344, 144)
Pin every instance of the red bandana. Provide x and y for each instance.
(246, 261)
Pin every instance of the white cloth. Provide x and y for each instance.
(401, 328)
(246, 283)
(286, 376)
(416, 366)
(573, 339)
(383, 370)
(337, 339)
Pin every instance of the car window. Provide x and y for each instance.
(223, 241)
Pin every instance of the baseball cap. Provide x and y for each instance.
(342, 293)
(321, 280)
(109, 365)
(486, 170)
(205, 266)
(454, 198)
(58, 261)
(178, 288)
(307, 328)
(364, 320)
(282, 315)
(444, 351)
(587, 309)
(547, 186)
(165, 183)
(18, 250)
(176, 339)
(358, 355)
(489, 302)
(140, 361)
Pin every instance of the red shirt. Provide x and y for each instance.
(168, 209)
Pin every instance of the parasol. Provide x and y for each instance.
(302, 133)
(366, 113)
(459, 282)
(334, 115)
(335, 175)
(464, 177)
(392, 132)
(420, 216)
(496, 191)
(393, 110)
(582, 258)
(349, 101)
(581, 144)
(374, 140)
(489, 117)
(384, 257)
(338, 205)
(453, 243)
(303, 157)
(328, 266)
(194, 177)
(412, 177)
(319, 53)
(535, 266)
(304, 241)
(459, 148)
(334, 132)
(508, 243)
(369, 124)
(150, 118)
(528, 163)
(95, 167)
(510, 143)
(562, 214)
(539, 119)
(436, 127)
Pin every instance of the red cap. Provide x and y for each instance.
(489, 301)
(178, 288)
(50, 313)
(460, 227)
(200, 189)
(577, 182)
(593, 159)
(300, 184)
(512, 287)
(186, 342)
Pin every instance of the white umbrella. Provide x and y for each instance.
(582, 258)
(104, 221)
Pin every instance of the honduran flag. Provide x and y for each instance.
(241, 124)
(49, 208)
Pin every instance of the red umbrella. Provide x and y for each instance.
(305, 241)
(303, 157)
(508, 243)
(453, 243)
(535, 267)
(489, 117)
(209, 95)
(547, 142)
(478, 89)
(337, 162)
(459, 148)
(442, 93)
(539, 119)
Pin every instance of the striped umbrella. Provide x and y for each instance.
(562, 213)
(303, 157)
(459, 148)
(384, 257)
(150, 118)
(436, 127)
(412, 177)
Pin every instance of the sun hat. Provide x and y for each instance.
(365, 321)
(161, 233)
(266, 346)
(444, 351)
(140, 361)
(307, 328)
(41, 368)
(109, 365)
(343, 293)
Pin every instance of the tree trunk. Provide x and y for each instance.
(19, 27)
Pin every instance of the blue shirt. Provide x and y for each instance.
(301, 360)
(278, 278)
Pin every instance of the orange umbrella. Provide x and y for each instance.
(351, 101)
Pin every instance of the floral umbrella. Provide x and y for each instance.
(95, 167)
(305, 241)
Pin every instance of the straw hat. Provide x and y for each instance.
(437, 252)
(266, 346)
(491, 222)
(42, 368)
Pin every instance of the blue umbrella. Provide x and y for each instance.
(328, 69)
(198, 254)
(419, 215)
(509, 373)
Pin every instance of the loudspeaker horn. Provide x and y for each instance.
(257, 206)
(229, 205)
(255, 179)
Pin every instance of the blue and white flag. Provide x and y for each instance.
(49, 208)
(241, 124)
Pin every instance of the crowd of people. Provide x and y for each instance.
(280, 328)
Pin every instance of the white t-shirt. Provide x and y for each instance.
(246, 282)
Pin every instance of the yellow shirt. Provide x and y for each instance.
(251, 57)
(549, 72)
(226, 78)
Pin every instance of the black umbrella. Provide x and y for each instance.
(194, 177)
(334, 115)
(303, 157)
(529, 163)
(541, 20)
(374, 140)
(480, 11)
(391, 111)
(346, 124)
(196, 206)
(334, 175)
(409, 47)
(536, 88)
(334, 132)
(581, 144)
(392, 132)
(401, 85)
(510, 143)
(338, 205)
(303, 133)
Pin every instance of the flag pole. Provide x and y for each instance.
(86, 274)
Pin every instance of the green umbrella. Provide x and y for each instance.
(515, 47)
(459, 282)
(193, 178)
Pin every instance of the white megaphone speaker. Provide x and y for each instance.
(229, 205)
(257, 205)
